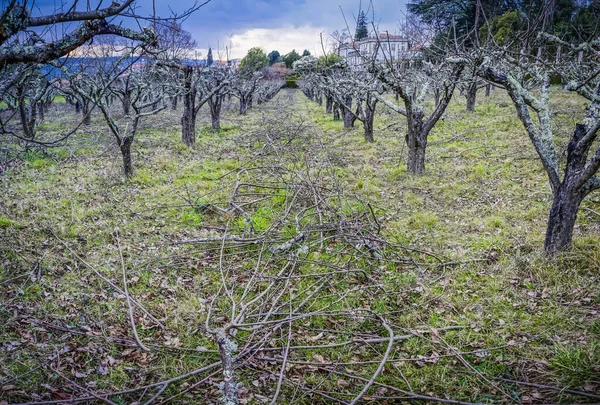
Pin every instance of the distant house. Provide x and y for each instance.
(234, 63)
(384, 48)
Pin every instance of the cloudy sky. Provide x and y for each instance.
(270, 24)
(281, 24)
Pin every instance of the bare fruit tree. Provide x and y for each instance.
(528, 85)
(100, 85)
(414, 86)
(27, 97)
(17, 20)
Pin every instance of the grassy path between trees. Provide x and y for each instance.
(452, 260)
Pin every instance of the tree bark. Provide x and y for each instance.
(471, 96)
(85, 108)
(243, 105)
(215, 103)
(369, 118)
(174, 103)
(188, 119)
(328, 104)
(368, 126)
(436, 97)
(41, 109)
(416, 140)
(561, 221)
(347, 115)
(568, 196)
(336, 112)
(126, 102)
(227, 350)
(126, 153)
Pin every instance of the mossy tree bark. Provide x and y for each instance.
(580, 170)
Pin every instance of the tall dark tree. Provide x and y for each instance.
(209, 58)
(306, 52)
(274, 57)
(362, 30)
(290, 58)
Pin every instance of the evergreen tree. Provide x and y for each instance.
(362, 31)
(209, 58)
(306, 53)
(274, 57)
(290, 58)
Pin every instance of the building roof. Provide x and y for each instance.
(382, 37)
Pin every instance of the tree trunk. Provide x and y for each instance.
(174, 103)
(328, 104)
(368, 122)
(25, 117)
(471, 96)
(215, 103)
(561, 221)
(416, 140)
(488, 90)
(243, 106)
(436, 97)
(126, 102)
(568, 197)
(85, 108)
(347, 115)
(188, 119)
(41, 109)
(336, 112)
(126, 153)
(188, 127)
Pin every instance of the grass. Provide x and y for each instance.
(481, 204)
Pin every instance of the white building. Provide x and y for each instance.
(385, 48)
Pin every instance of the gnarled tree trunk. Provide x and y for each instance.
(85, 109)
(215, 103)
(126, 102)
(125, 147)
(561, 221)
(336, 112)
(567, 197)
(243, 105)
(328, 104)
(471, 96)
(188, 119)
(347, 116)
(416, 140)
(369, 118)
